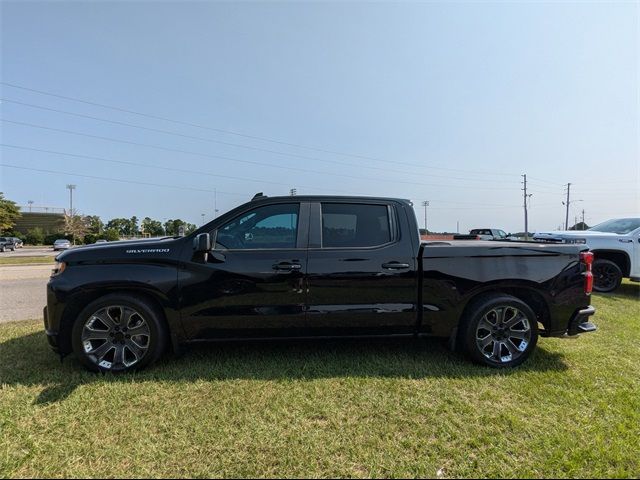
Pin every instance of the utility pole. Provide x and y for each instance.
(215, 203)
(30, 202)
(566, 221)
(457, 226)
(71, 189)
(425, 204)
(202, 218)
(293, 192)
(526, 214)
(583, 224)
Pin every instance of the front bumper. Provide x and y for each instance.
(52, 335)
(580, 322)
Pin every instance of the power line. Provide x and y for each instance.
(253, 137)
(230, 144)
(158, 167)
(121, 180)
(489, 206)
(232, 159)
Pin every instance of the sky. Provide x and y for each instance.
(179, 109)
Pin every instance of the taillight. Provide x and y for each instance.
(586, 258)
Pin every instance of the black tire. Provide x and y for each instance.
(150, 345)
(2, 249)
(607, 276)
(506, 350)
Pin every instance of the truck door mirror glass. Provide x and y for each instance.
(202, 243)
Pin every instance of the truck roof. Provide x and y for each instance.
(309, 198)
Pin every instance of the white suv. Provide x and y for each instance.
(616, 247)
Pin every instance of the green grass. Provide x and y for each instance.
(25, 260)
(355, 409)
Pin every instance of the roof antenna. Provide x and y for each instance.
(258, 196)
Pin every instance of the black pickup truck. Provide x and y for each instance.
(313, 267)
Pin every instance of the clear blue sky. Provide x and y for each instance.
(449, 102)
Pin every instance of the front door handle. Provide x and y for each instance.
(625, 240)
(287, 267)
(395, 265)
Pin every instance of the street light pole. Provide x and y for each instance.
(425, 204)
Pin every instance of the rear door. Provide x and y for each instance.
(252, 284)
(361, 271)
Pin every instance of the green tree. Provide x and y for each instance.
(133, 226)
(111, 234)
(172, 227)
(152, 227)
(94, 224)
(9, 213)
(35, 236)
(121, 225)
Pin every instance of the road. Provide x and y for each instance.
(23, 291)
(31, 252)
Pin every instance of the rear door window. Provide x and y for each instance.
(355, 225)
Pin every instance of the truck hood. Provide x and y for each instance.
(125, 250)
(574, 234)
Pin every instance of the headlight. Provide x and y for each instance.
(580, 241)
(58, 269)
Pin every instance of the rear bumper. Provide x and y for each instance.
(580, 321)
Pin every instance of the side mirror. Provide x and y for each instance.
(202, 243)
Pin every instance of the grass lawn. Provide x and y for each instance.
(25, 260)
(330, 409)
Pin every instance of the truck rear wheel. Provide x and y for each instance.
(119, 333)
(607, 276)
(499, 331)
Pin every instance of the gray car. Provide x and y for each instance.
(61, 244)
(7, 243)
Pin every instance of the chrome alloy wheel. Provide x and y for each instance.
(503, 334)
(116, 337)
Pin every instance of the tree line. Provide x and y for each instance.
(89, 228)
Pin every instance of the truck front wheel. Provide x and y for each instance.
(119, 333)
(499, 331)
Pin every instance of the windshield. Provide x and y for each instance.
(621, 226)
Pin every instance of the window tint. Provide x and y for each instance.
(353, 225)
(620, 226)
(272, 226)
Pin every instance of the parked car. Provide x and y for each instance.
(61, 244)
(101, 240)
(615, 244)
(7, 243)
(18, 242)
(320, 267)
(483, 234)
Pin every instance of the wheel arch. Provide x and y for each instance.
(619, 257)
(78, 300)
(527, 294)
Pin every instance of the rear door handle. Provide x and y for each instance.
(287, 267)
(625, 240)
(395, 265)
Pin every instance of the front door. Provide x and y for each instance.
(252, 283)
(361, 271)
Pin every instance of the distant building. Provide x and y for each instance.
(49, 222)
